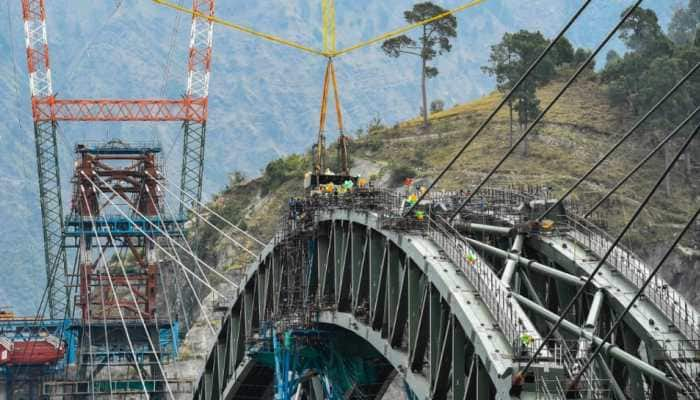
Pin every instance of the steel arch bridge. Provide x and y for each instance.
(448, 309)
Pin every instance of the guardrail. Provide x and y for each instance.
(631, 266)
(491, 290)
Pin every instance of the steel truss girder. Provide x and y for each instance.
(645, 319)
(113, 110)
(398, 292)
(384, 265)
(609, 349)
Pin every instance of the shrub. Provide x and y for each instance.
(437, 106)
(283, 169)
(375, 125)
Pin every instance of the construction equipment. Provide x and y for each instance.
(47, 110)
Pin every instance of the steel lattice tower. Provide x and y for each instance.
(197, 88)
(47, 110)
(34, 16)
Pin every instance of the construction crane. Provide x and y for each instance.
(325, 51)
(319, 175)
(329, 79)
(48, 110)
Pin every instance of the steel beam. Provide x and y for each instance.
(52, 218)
(616, 389)
(492, 229)
(610, 349)
(590, 324)
(511, 263)
(529, 264)
(192, 171)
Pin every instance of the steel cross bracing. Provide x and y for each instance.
(416, 292)
(85, 110)
(47, 110)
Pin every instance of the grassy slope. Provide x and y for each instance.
(574, 134)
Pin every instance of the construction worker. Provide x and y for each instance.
(348, 185)
(420, 215)
(471, 259)
(526, 340)
(412, 199)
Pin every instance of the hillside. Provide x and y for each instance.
(263, 99)
(573, 136)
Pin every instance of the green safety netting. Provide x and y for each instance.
(343, 361)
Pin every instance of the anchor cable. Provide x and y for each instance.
(641, 163)
(621, 140)
(636, 297)
(561, 92)
(500, 105)
(614, 244)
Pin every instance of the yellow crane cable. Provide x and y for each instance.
(330, 43)
(402, 30)
(328, 13)
(245, 29)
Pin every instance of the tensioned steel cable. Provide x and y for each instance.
(114, 293)
(106, 333)
(168, 308)
(621, 141)
(203, 205)
(642, 162)
(561, 92)
(172, 247)
(135, 225)
(500, 105)
(149, 237)
(603, 259)
(179, 298)
(134, 299)
(216, 228)
(147, 333)
(180, 231)
(636, 297)
(89, 329)
(178, 294)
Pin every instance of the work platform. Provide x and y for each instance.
(119, 226)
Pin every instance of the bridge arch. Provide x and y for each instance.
(398, 290)
(451, 327)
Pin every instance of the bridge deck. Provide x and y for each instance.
(645, 316)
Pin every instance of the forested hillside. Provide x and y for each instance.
(264, 98)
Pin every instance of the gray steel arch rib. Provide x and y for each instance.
(401, 293)
(445, 328)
